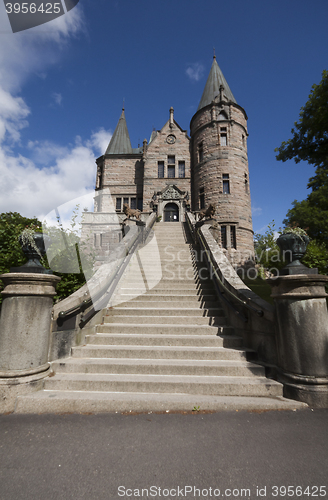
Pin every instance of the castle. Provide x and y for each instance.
(173, 172)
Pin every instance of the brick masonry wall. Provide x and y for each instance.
(158, 150)
(234, 208)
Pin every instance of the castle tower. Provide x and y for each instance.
(120, 171)
(220, 165)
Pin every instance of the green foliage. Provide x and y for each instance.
(310, 135)
(266, 249)
(65, 248)
(317, 256)
(310, 143)
(269, 257)
(12, 225)
(72, 260)
(311, 217)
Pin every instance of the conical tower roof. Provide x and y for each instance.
(120, 142)
(212, 87)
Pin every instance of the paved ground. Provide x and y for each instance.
(109, 456)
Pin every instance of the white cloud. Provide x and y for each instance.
(100, 140)
(53, 174)
(32, 51)
(57, 97)
(256, 211)
(13, 112)
(195, 71)
(31, 190)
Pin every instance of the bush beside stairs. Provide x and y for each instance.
(164, 345)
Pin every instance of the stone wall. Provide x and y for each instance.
(173, 141)
(224, 167)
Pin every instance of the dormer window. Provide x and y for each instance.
(223, 116)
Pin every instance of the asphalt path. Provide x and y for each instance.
(244, 454)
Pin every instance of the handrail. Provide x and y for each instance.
(103, 293)
(218, 279)
(243, 302)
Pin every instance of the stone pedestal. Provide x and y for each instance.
(302, 337)
(24, 333)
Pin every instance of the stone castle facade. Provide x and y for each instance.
(173, 172)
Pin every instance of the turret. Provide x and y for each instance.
(220, 165)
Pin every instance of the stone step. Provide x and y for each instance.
(168, 320)
(185, 286)
(160, 328)
(109, 402)
(162, 352)
(158, 366)
(186, 384)
(167, 297)
(142, 302)
(152, 311)
(166, 291)
(154, 339)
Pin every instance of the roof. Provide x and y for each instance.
(120, 142)
(212, 87)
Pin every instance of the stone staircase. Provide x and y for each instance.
(166, 347)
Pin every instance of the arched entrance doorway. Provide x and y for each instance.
(171, 212)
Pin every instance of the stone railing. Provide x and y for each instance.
(252, 317)
(291, 337)
(76, 316)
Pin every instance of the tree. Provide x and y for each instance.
(266, 249)
(269, 256)
(11, 226)
(11, 255)
(310, 135)
(310, 143)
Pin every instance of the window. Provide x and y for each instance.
(225, 184)
(224, 236)
(233, 236)
(201, 198)
(133, 203)
(243, 139)
(118, 203)
(160, 169)
(125, 201)
(200, 152)
(223, 136)
(246, 184)
(140, 203)
(171, 166)
(182, 169)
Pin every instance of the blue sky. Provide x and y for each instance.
(62, 87)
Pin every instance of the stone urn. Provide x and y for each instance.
(34, 247)
(293, 248)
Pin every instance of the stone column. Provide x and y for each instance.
(302, 337)
(24, 334)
